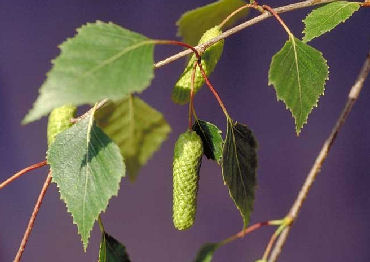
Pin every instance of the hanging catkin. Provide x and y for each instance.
(186, 163)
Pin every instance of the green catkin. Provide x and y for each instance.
(59, 120)
(181, 91)
(186, 163)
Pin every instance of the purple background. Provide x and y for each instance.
(334, 224)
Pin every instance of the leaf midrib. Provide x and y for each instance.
(237, 160)
(298, 77)
(115, 57)
(327, 18)
(88, 137)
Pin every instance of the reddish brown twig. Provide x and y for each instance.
(278, 18)
(21, 173)
(36, 209)
(197, 54)
(178, 43)
(246, 231)
(227, 19)
(213, 90)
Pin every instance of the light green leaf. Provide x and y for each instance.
(111, 250)
(206, 252)
(87, 168)
(239, 165)
(212, 139)
(103, 60)
(194, 23)
(325, 18)
(138, 129)
(298, 73)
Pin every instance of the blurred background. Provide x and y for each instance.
(334, 224)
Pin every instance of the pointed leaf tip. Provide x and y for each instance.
(102, 60)
(239, 165)
(205, 253)
(327, 17)
(298, 73)
(87, 168)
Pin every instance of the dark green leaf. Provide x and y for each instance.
(103, 60)
(239, 164)
(111, 250)
(206, 252)
(298, 73)
(138, 129)
(212, 139)
(324, 19)
(194, 23)
(87, 168)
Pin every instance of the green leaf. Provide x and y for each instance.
(206, 252)
(261, 260)
(87, 168)
(298, 73)
(325, 18)
(210, 58)
(194, 23)
(138, 129)
(212, 139)
(239, 164)
(111, 250)
(103, 60)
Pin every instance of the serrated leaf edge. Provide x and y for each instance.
(85, 245)
(232, 123)
(111, 59)
(305, 40)
(279, 98)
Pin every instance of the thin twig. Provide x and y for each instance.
(197, 50)
(191, 102)
(270, 245)
(246, 231)
(33, 218)
(278, 18)
(179, 43)
(21, 173)
(213, 90)
(297, 205)
(227, 19)
(240, 27)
